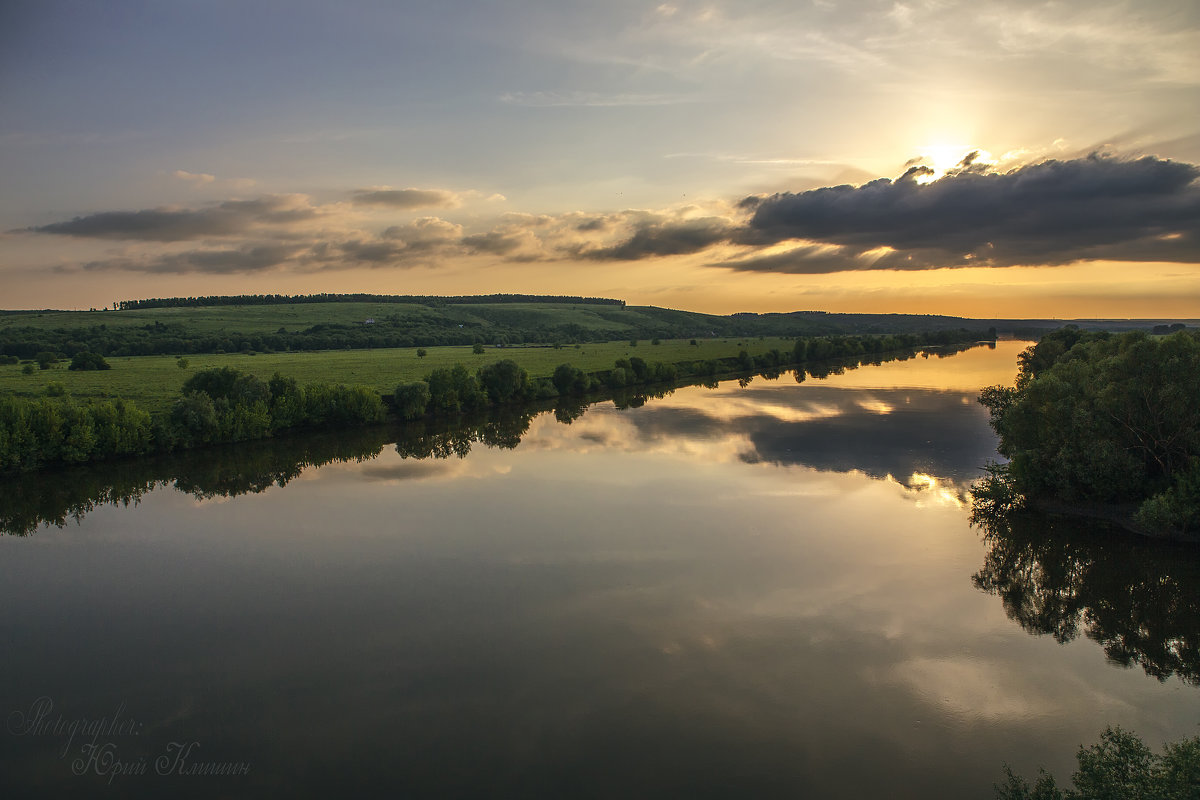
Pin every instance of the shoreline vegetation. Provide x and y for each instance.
(1103, 426)
(223, 405)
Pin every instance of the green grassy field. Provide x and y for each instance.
(153, 382)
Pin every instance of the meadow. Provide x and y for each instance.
(154, 382)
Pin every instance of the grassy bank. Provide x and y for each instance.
(154, 382)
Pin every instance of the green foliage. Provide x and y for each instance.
(569, 379)
(55, 389)
(182, 363)
(1108, 419)
(37, 433)
(1119, 767)
(411, 399)
(422, 352)
(1178, 507)
(477, 348)
(504, 381)
(454, 390)
(27, 369)
(86, 361)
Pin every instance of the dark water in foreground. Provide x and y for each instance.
(760, 591)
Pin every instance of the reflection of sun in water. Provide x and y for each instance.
(929, 490)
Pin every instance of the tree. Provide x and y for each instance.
(569, 379)
(504, 381)
(422, 352)
(1119, 767)
(411, 399)
(477, 348)
(182, 363)
(87, 361)
(45, 358)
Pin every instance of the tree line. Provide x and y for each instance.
(359, 297)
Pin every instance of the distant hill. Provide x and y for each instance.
(179, 326)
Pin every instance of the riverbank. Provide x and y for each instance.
(225, 405)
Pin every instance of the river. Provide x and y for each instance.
(762, 589)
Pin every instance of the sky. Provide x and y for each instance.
(987, 159)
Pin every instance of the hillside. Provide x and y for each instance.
(317, 323)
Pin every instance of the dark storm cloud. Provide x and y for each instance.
(405, 198)
(250, 258)
(493, 242)
(1054, 212)
(651, 239)
(177, 225)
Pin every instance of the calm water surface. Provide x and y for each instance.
(768, 590)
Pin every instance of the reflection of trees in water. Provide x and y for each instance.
(31, 500)
(1140, 600)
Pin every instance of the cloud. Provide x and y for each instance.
(248, 258)
(177, 225)
(1054, 212)
(198, 178)
(1044, 214)
(672, 238)
(406, 198)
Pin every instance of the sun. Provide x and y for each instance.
(943, 158)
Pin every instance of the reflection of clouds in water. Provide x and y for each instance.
(929, 490)
(968, 690)
(931, 442)
(391, 468)
(408, 470)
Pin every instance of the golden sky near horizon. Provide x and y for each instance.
(992, 159)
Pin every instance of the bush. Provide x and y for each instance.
(411, 399)
(477, 348)
(55, 389)
(504, 381)
(1119, 767)
(422, 352)
(27, 369)
(87, 361)
(569, 379)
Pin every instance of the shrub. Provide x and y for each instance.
(411, 399)
(87, 361)
(504, 381)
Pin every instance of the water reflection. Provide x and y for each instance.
(862, 437)
(1139, 600)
